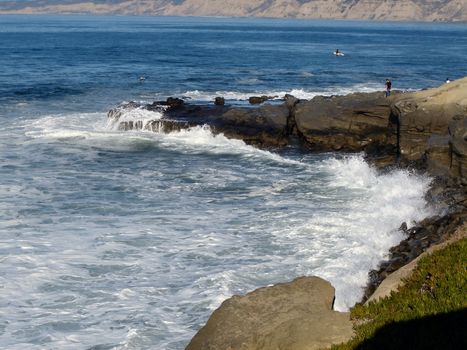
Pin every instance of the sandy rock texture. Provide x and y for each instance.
(432, 127)
(295, 316)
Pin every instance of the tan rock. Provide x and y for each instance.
(425, 120)
(295, 316)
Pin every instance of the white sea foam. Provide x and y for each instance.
(201, 139)
(136, 251)
(198, 95)
(367, 226)
(135, 115)
(87, 129)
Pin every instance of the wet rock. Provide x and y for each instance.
(396, 263)
(259, 99)
(294, 316)
(174, 102)
(262, 126)
(219, 101)
(403, 227)
(356, 122)
(291, 102)
(458, 143)
(116, 113)
(431, 231)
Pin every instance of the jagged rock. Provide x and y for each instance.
(427, 128)
(291, 102)
(458, 143)
(426, 233)
(174, 102)
(355, 122)
(392, 282)
(294, 316)
(261, 126)
(219, 101)
(259, 99)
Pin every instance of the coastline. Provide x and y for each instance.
(422, 131)
(447, 11)
(396, 279)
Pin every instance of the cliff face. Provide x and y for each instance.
(419, 10)
(432, 127)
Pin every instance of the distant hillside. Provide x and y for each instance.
(418, 10)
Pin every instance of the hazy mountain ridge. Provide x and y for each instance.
(421, 10)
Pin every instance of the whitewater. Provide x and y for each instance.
(114, 239)
(161, 228)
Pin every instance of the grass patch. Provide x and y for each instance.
(428, 312)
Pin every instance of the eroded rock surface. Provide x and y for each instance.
(293, 316)
(458, 149)
(355, 122)
(432, 128)
(262, 126)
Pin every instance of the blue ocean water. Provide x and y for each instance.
(129, 240)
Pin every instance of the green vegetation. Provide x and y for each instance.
(428, 312)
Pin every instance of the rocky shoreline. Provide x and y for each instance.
(425, 131)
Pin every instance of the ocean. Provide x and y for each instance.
(129, 240)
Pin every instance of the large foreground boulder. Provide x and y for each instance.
(293, 316)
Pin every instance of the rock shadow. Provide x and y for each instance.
(441, 332)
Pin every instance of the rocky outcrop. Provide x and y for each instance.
(356, 122)
(433, 135)
(261, 126)
(293, 316)
(430, 127)
(254, 100)
(219, 101)
(426, 129)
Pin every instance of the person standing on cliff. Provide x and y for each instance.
(388, 87)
